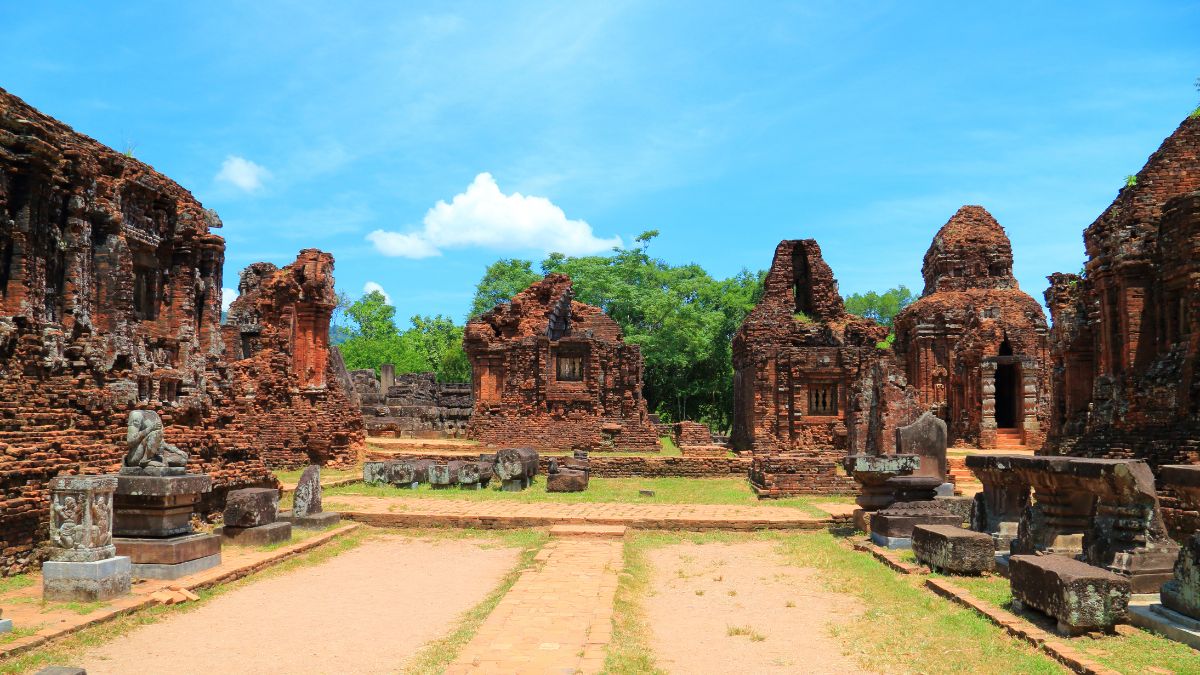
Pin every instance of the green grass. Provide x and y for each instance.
(1138, 651)
(733, 490)
(435, 656)
(292, 476)
(15, 583)
(905, 628)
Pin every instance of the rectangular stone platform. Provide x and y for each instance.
(86, 581)
(1080, 596)
(953, 549)
(1167, 622)
(170, 551)
(313, 521)
(261, 535)
(183, 569)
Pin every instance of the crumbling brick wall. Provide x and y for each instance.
(1126, 334)
(974, 346)
(110, 300)
(276, 335)
(413, 405)
(795, 358)
(551, 372)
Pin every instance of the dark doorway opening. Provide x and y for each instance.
(1006, 396)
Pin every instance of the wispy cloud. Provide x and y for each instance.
(228, 295)
(484, 217)
(242, 174)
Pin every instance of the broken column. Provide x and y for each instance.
(914, 505)
(153, 505)
(83, 565)
(251, 518)
(997, 509)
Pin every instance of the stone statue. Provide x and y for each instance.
(148, 453)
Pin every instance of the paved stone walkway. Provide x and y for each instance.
(425, 512)
(557, 618)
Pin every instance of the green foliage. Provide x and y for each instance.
(1130, 180)
(880, 307)
(431, 344)
(801, 317)
(502, 280)
(887, 342)
(682, 319)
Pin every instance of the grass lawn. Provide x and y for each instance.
(292, 476)
(904, 629)
(732, 490)
(1139, 651)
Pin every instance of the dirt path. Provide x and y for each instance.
(365, 611)
(738, 608)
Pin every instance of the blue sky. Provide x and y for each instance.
(726, 126)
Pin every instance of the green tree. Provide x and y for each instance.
(439, 342)
(882, 307)
(504, 279)
(682, 319)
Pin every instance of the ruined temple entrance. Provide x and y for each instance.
(1007, 401)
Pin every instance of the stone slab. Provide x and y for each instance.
(171, 551)
(959, 506)
(61, 670)
(164, 486)
(159, 571)
(901, 526)
(313, 521)
(257, 536)
(890, 542)
(6, 625)
(1168, 623)
(1080, 596)
(952, 549)
(86, 581)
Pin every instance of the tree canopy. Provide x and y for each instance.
(682, 319)
(882, 307)
(371, 339)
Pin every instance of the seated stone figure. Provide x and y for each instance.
(148, 453)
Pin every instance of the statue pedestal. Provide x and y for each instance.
(82, 566)
(152, 525)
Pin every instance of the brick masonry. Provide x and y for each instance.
(553, 373)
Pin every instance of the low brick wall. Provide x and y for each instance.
(650, 466)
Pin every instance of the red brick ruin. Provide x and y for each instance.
(794, 360)
(554, 373)
(110, 300)
(1126, 342)
(974, 345)
(301, 401)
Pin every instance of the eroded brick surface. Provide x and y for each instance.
(110, 300)
(551, 372)
(1126, 334)
(412, 405)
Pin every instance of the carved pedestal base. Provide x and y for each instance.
(86, 581)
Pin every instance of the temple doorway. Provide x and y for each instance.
(1006, 395)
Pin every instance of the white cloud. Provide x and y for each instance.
(484, 216)
(242, 174)
(374, 286)
(228, 295)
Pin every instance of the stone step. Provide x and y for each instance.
(589, 531)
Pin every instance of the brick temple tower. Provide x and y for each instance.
(974, 345)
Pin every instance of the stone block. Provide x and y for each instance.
(157, 506)
(958, 505)
(61, 670)
(1081, 597)
(873, 472)
(567, 480)
(1182, 592)
(952, 549)
(261, 535)
(306, 498)
(86, 581)
(251, 507)
(312, 521)
(177, 570)
(6, 625)
(925, 438)
(169, 551)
